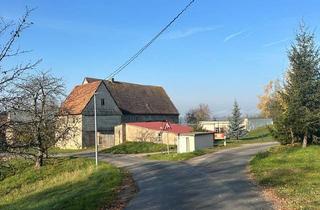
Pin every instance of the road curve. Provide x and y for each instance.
(212, 181)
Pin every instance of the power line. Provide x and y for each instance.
(132, 58)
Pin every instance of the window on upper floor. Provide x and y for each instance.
(102, 102)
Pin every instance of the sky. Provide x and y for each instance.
(217, 52)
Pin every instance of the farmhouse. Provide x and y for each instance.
(116, 103)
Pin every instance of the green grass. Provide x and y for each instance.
(136, 147)
(56, 150)
(63, 183)
(293, 173)
(261, 134)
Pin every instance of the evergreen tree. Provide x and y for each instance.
(302, 88)
(236, 129)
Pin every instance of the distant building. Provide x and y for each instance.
(221, 126)
(3, 120)
(254, 123)
(217, 126)
(117, 103)
(8, 119)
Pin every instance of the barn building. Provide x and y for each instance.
(117, 103)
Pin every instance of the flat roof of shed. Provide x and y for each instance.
(196, 133)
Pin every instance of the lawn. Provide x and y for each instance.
(136, 147)
(259, 134)
(292, 172)
(63, 183)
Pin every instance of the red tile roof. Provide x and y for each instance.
(175, 128)
(80, 97)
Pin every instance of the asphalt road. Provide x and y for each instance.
(212, 181)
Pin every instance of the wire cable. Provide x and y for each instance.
(139, 52)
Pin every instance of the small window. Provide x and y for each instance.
(102, 102)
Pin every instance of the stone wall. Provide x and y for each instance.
(73, 139)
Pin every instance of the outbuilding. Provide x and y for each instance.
(149, 132)
(189, 142)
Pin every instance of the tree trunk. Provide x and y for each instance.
(305, 140)
(39, 160)
(292, 136)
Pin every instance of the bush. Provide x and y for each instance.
(281, 135)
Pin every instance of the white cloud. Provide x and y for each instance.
(231, 36)
(275, 42)
(178, 34)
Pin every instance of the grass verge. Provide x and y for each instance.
(292, 173)
(56, 150)
(62, 183)
(259, 134)
(136, 147)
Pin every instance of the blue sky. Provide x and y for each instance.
(218, 51)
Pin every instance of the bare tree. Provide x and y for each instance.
(200, 113)
(10, 32)
(35, 122)
(195, 115)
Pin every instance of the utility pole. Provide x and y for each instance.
(168, 148)
(95, 127)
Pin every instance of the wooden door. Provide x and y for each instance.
(187, 144)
